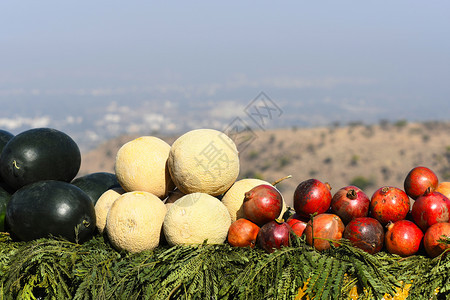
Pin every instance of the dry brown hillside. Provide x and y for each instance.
(369, 156)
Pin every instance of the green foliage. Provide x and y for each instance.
(284, 161)
(253, 155)
(57, 269)
(401, 123)
(362, 182)
(355, 159)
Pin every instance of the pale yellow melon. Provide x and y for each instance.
(134, 221)
(233, 199)
(203, 161)
(103, 205)
(141, 165)
(195, 218)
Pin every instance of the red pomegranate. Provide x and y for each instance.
(350, 202)
(322, 229)
(389, 204)
(365, 233)
(403, 238)
(418, 180)
(273, 235)
(430, 208)
(432, 236)
(312, 196)
(242, 233)
(262, 204)
(297, 224)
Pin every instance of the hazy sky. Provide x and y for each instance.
(388, 50)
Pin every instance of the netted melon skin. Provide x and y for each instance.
(196, 218)
(203, 161)
(134, 222)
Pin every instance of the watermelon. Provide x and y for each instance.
(95, 184)
(39, 154)
(5, 136)
(51, 208)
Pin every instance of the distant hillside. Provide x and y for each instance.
(369, 156)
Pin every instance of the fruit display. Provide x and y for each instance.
(176, 222)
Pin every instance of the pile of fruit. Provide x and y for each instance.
(187, 194)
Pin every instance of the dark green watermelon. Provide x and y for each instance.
(5, 136)
(39, 154)
(4, 199)
(51, 208)
(95, 184)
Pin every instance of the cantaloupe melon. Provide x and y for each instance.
(134, 221)
(234, 197)
(141, 165)
(103, 205)
(195, 218)
(203, 161)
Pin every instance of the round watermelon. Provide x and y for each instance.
(51, 208)
(39, 154)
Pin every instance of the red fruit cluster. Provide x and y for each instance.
(387, 220)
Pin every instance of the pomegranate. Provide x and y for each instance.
(365, 233)
(242, 233)
(322, 229)
(389, 204)
(350, 202)
(273, 235)
(430, 208)
(403, 238)
(418, 180)
(262, 204)
(432, 236)
(297, 224)
(312, 196)
(444, 188)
